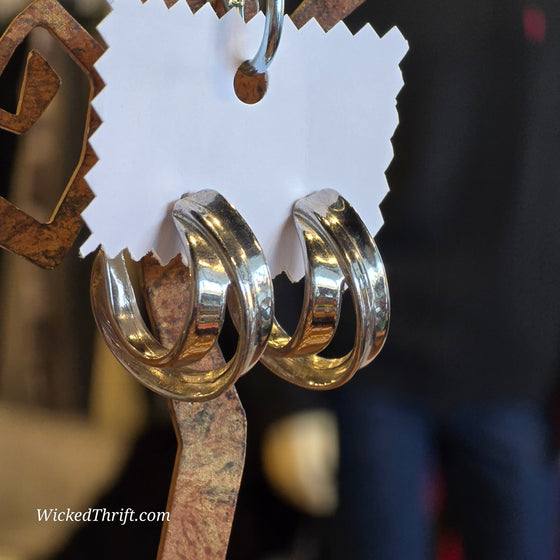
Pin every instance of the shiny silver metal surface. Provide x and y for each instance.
(270, 41)
(239, 5)
(223, 255)
(339, 251)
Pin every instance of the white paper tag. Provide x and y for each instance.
(172, 124)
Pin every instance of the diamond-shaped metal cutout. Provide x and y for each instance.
(46, 244)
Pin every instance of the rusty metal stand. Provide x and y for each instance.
(211, 437)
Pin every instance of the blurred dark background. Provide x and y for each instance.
(76, 431)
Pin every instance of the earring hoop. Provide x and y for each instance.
(222, 254)
(339, 251)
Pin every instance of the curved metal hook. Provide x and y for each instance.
(250, 81)
(271, 38)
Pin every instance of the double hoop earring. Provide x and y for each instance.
(223, 254)
(339, 253)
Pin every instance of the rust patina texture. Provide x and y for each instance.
(46, 244)
(249, 87)
(40, 85)
(251, 7)
(211, 437)
(327, 12)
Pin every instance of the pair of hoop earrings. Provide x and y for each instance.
(228, 268)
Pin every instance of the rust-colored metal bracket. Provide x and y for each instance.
(40, 84)
(203, 495)
(211, 436)
(327, 12)
(251, 7)
(46, 244)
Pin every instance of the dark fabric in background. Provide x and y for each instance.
(471, 239)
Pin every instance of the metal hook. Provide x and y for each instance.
(271, 38)
(250, 81)
(239, 5)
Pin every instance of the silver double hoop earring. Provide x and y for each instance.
(340, 253)
(224, 255)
